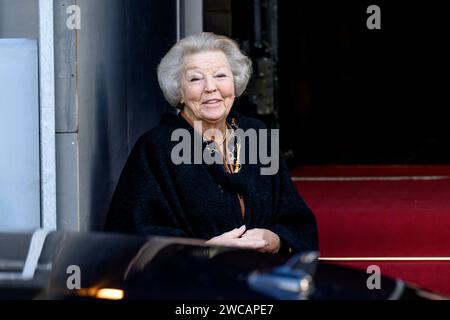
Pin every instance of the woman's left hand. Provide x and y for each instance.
(272, 240)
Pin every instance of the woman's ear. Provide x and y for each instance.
(180, 104)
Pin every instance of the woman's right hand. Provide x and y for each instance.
(233, 239)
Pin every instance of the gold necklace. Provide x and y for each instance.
(213, 137)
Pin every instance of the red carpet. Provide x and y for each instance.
(383, 211)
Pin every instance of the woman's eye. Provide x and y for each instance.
(221, 75)
(194, 79)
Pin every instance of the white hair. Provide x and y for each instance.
(170, 68)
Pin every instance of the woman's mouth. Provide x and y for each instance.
(212, 102)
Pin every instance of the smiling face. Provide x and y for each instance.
(207, 86)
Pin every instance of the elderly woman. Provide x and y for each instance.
(227, 202)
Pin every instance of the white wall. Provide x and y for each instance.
(19, 135)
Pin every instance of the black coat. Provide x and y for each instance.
(156, 197)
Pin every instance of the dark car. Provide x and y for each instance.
(61, 265)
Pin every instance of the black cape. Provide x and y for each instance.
(154, 196)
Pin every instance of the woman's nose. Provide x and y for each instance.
(210, 86)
